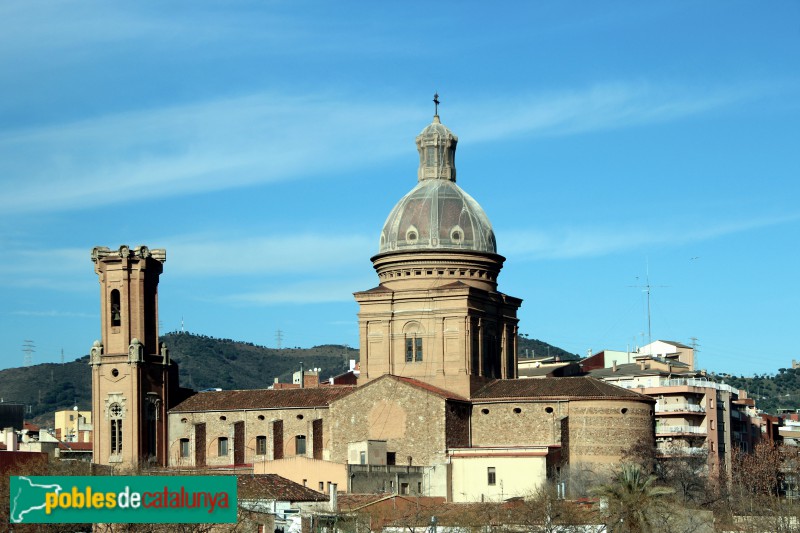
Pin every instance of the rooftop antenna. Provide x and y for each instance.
(28, 348)
(436, 103)
(646, 288)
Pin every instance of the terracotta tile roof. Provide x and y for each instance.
(237, 400)
(354, 502)
(275, 487)
(578, 388)
(447, 395)
(29, 426)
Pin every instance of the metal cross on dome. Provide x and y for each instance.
(436, 102)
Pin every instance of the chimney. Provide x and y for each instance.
(614, 366)
(334, 497)
(11, 439)
(302, 376)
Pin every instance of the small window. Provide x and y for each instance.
(184, 448)
(222, 446)
(114, 372)
(299, 417)
(403, 488)
(362, 457)
(391, 458)
(300, 445)
(624, 410)
(261, 417)
(261, 445)
(548, 410)
(322, 486)
(223, 418)
(491, 475)
(485, 411)
(418, 349)
(517, 410)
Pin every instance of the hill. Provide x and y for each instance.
(204, 362)
(527, 347)
(781, 391)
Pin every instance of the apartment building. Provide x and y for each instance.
(694, 415)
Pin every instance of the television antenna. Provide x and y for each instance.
(647, 289)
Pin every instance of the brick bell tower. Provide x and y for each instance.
(132, 375)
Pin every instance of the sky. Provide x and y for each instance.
(613, 146)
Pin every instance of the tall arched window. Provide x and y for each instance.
(115, 416)
(115, 309)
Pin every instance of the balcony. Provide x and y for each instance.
(667, 431)
(680, 409)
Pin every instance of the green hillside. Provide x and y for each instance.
(204, 362)
(781, 391)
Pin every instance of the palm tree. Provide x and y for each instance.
(629, 499)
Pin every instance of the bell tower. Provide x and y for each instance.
(132, 375)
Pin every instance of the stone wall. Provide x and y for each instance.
(298, 421)
(521, 423)
(411, 421)
(600, 431)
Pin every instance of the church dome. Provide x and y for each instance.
(437, 214)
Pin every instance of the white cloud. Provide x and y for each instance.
(304, 292)
(54, 314)
(305, 253)
(270, 136)
(596, 241)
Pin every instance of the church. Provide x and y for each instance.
(438, 409)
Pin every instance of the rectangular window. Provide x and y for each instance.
(391, 458)
(363, 458)
(116, 436)
(300, 445)
(184, 447)
(261, 445)
(222, 446)
(418, 349)
(419, 487)
(491, 475)
(403, 488)
(322, 486)
(409, 350)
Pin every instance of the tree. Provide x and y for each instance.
(630, 498)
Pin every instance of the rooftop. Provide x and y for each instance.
(275, 487)
(577, 388)
(237, 400)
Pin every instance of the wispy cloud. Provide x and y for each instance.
(305, 292)
(54, 314)
(584, 242)
(304, 253)
(600, 107)
(268, 137)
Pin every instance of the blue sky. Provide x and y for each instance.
(264, 143)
